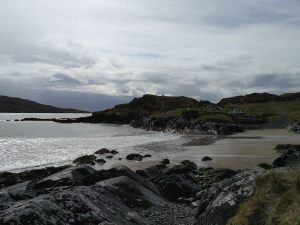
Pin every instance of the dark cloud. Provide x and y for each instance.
(60, 78)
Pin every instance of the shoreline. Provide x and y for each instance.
(238, 151)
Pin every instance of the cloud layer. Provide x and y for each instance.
(108, 51)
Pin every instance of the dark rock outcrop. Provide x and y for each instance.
(104, 151)
(206, 158)
(221, 201)
(8, 179)
(295, 127)
(290, 155)
(165, 161)
(181, 125)
(86, 159)
(134, 156)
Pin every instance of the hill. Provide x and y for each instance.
(145, 106)
(259, 97)
(18, 105)
(251, 98)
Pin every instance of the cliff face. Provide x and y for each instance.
(18, 105)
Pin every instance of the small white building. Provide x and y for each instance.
(236, 111)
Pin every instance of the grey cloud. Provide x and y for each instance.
(275, 81)
(60, 78)
(110, 49)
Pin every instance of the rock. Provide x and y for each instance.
(221, 201)
(68, 177)
(134, 156)
(147, 156)
(102, 151)
(265, 166)
(156, 170)
(165, 161)
(8, 179)
(174, 186)
(109, 156)
(132, 193)
(93, 205)
(114, 152)
(125, 171)
(142, 173)
(86, 159)
(206, 158)
(189, 164)
(181, 169)
(100, 161)
(120, 159)
(290, 155)
(295, 127)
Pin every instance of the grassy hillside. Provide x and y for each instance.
(273, 109)
(276, 200)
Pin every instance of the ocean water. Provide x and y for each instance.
(29, 144)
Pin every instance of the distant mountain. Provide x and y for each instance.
(259, 97)
(18, 105)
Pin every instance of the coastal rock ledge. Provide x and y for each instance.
(183, 194)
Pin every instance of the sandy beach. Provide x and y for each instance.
(243, 150)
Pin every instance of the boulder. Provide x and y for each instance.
(102, 151)
(165, 161)
(265, 166)
(147, 156)
(109, 156)
(190, 164)
(114, 152)
(290, 156)
(100, 161)
(134, 156)
(206, 158)
(86, 159)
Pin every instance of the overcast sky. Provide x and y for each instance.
(92, 54)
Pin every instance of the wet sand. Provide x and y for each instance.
(244, 150)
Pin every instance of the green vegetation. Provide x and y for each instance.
(294, 116)
(273, 109)
(276, 200)
(198, 114)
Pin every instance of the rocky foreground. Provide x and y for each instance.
(182, 194)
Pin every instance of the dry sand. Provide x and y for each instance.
(244, 150)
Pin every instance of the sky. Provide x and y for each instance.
(93, 54)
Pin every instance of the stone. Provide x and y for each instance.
(100, 161)
(86, 159)
(206, 158)
(165, 161)
(102, 151)
(189, 164)
(134, 156)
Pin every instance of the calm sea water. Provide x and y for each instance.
(29, 144)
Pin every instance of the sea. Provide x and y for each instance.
(29, 144)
